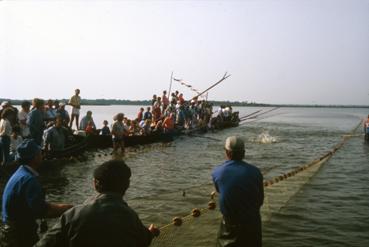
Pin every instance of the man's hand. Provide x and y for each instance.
(57, 209)
(154, 230)
(65, 207)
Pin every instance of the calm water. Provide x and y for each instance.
(330, 210)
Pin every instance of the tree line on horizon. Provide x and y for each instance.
(134, 102)
(148, 102)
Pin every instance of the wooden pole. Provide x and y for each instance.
(170, 84)
(224, 77)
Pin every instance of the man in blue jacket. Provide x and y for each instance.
(24, 200)
(35, 120)
(241, 194)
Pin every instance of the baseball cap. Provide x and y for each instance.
(27, 150)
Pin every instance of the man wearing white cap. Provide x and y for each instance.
(241, 194)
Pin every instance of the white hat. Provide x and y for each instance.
(234, 143)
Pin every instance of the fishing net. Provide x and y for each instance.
(200, 228)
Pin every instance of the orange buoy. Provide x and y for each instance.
(177, 221)
(212, 205)
(196, 212)
(212, 195)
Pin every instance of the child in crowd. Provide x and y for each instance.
(119, 131)
(5, 133)
(90, 128)
(105, 130)
(15, 140)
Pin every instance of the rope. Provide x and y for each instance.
(249, 115)
(203, 92)
(254, 116)
(187, 85)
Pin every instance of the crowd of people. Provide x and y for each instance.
(95, 222)
(50, 124)
(47, 123)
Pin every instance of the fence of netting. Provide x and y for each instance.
(200, 226)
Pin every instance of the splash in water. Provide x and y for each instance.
(265, 138)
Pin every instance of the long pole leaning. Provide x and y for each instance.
(224, 77)
(170, 85)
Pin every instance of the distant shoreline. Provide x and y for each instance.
(107, 102)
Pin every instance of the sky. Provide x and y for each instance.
(281, 51)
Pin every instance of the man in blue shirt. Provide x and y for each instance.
(147, 114)
(35, 120)
(241, 194)
(24, 200)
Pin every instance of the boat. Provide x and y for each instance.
(105, 141)
(75, 147)
(74, 151)
(232, 121)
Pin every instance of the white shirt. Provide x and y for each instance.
(22, 116)
(14, 143)
(5, 127)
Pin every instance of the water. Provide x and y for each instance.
(330, 209)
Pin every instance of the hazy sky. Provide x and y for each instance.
(303, 52)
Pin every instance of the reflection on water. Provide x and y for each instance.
(162, 172)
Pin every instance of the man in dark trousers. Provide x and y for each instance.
(24, 200)
(241, 194)
(105, 219)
